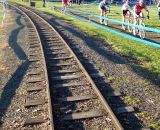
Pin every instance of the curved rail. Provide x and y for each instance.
(45, 67)
(106, 107)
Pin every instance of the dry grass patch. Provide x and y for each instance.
(3, 39)
(3, 45)
(2, 66)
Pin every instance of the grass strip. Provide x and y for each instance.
(147, 56)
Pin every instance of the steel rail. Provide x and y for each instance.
(45, 67)
(103, 101)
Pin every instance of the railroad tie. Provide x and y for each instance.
(34, 43)
(97, 75)
(61, 58)
(33, 54)
(68, 77)
(47, 33)
(77, 98)
(34, 80)
(73, 47)
(33, 72)
(34, 102)
(113, 94)
(102, 82)
(34, 46)
(33, 57)
(34, 60)
(53, 45)
(77, 51)
(34, 120)
(63, 71)
(34, 50)
(60, 64)
(55, 48)
(69, 85)
(35, 66)
(56, 53)
(82, 115)
(121, 110)
(36, 88)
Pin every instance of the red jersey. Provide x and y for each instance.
(65, 1)
(138, 8)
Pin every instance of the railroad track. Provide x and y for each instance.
(76, 102)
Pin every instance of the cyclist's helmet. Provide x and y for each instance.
(142, 2)
(105, 2)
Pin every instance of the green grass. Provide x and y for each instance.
(149, 57)
(116, 13)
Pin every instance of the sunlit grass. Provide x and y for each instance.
(147, 55)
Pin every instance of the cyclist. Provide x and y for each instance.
(70, 2)
(125, 11)
(158, 5)
(64, 4)
(102, 7)
(137, 12)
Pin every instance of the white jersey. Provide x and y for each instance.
(158, 5)
(125, 6)
(101, 4)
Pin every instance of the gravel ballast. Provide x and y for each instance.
(124, 73)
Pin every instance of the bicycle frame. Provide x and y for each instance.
(141, 32)
(127, 19)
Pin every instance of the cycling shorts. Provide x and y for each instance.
(125, 12)
(103, 8)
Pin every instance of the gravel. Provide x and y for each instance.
(125, 74)
(13, 58)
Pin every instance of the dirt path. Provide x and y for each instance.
(13, 66)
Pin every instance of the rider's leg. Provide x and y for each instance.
(105, 11)
(62, 4)
(141, 16)
(123, 20)
(101, 14)
(135, 22)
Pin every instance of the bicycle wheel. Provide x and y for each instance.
(129, 27)
(106, 21)
(142, 32)
(123, 25)
(135, 31)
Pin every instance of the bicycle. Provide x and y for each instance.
(128, 20)
(140, 31)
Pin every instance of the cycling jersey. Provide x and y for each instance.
(158, 5)
(65, 1)
(125, 7)
(138, 8)
(102, 4)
